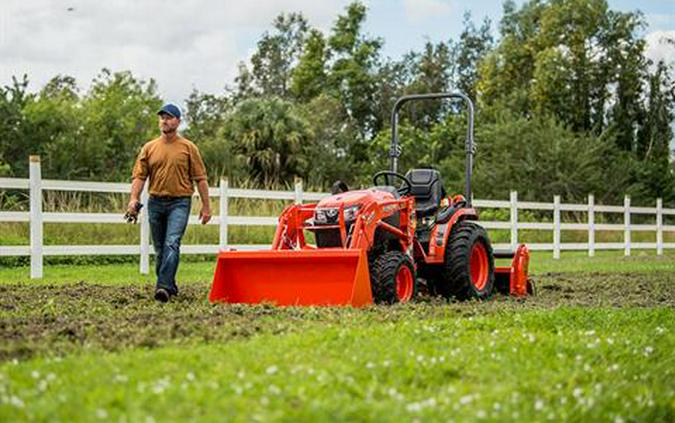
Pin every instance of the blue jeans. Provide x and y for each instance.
(168, 219)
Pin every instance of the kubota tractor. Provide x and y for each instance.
(373, 244)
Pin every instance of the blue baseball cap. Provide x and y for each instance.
(170, 109)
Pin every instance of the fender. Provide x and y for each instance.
(439, 235)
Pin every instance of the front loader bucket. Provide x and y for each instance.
(514, 279)
(324, 277)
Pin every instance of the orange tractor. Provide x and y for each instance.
(376, 244)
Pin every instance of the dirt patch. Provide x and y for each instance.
(54, 320)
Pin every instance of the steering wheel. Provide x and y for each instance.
(387, 174)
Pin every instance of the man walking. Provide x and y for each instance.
(173, 164)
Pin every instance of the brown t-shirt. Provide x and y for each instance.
(171, 166)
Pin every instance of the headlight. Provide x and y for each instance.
(330, 215)
(351, 212)
(324, 216)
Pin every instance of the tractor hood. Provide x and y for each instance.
(351, 198)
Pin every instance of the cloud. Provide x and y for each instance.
(659, 48)
(186, 44)
(418, 11)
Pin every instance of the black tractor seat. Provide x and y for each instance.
(427, 188)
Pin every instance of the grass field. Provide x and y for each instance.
(87, 343)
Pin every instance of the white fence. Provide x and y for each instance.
(36, 218)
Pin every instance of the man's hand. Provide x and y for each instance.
(205, 215)
(131, 216)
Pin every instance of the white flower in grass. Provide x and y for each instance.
(120, 378)
(539, 405)
(42, 385)
(35, 374)
(481, 414)
(15, 361)
(414, 407)
(563, 400)
(190, 376)
(386, 363)
(614, 367)
(496, 406)
(370, 365)
(264, 401)
(16, 402)
(466, 399)
(589, 333)
(593, 345)
(577, 392)
(610, 341)
(648, 351)
(101, 413)
(660, 330)
(618, 419)
(271, 370)
(149, 419)
(160, 385)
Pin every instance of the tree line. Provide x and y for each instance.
(567, 103)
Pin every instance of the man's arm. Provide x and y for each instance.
(135, 196)
(205, 213)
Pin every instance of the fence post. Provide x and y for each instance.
(298, 190)
(144, 266)
(556, 227)
(514, 220)
(591, 225)
(35, 217)
(223, 207)
(626, 225)
(659, 227)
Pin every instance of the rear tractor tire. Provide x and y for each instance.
(393, 278)
(468, 271)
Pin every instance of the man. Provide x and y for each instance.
(173, 164)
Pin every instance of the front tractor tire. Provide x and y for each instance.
(468, 270)
(393, 278)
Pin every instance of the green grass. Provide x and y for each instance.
(88, 343)
(565, 364)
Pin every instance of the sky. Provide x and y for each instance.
(197, 44)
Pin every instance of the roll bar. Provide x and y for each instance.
(395, 150)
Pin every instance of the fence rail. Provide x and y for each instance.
(37, 218)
